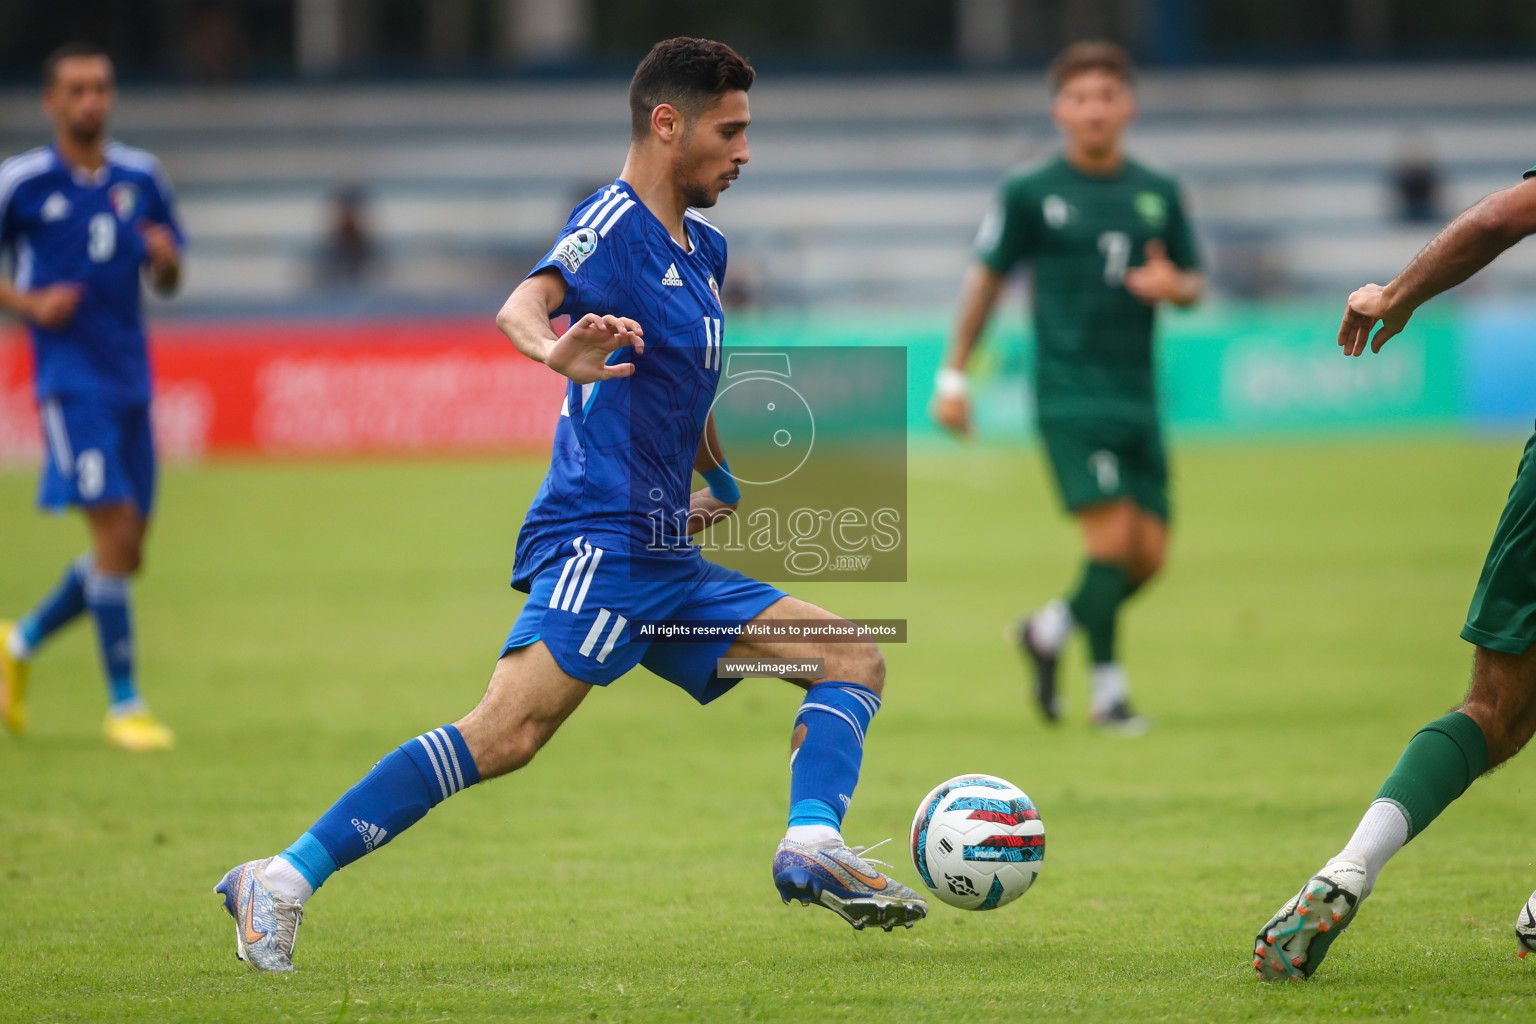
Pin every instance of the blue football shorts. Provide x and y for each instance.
(96, 453)
(583, 600)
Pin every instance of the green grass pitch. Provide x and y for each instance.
(298, 621)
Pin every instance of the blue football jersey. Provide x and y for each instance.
(61, 224)
(624, 449)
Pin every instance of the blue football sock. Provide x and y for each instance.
(410, 781)
(825, 769)
(59, 607)
(106, 594)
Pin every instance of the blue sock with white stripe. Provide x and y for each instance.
(407, 783)
(106, 595)
(61, 606)
(825, 768)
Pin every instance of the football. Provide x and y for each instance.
(978, 842)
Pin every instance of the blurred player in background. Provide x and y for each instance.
(638, 271)
(82, 219)
(1498, 716)
(1108, 241)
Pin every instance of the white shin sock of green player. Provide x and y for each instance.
(1050, 627)
(1378, 837)
(1109, 686)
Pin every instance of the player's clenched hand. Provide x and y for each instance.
(159, 244)
(952, 412)
(581, 353)
(1158, 279)
(53, 307)
(1367, 306)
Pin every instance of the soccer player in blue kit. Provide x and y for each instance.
(82, 219)
(638, 272)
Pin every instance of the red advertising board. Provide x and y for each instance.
(284, 388)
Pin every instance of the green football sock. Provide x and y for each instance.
(1095, 606)
(1440, 762)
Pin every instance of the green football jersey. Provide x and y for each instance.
(1080, 232)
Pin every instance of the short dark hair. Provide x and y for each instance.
(690, 74)
(68, 50)
(1091, 55)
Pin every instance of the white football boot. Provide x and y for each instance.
(1297, 938)
(846, 882)
(266, 925)
(1525, 927)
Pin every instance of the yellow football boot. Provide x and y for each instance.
(13, 685)
(138, 730)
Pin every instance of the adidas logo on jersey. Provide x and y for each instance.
(373, 836)
(672, 279)
(55, 207)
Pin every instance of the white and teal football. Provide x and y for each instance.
(977, 842)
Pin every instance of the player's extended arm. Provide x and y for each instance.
(51, 308)
(712, 503)
(580, 353)
(1466, 245)
(978, 295)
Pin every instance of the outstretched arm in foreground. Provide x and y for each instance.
(1466, 245)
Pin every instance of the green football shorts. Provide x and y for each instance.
(1503, 612)
(1097, 460)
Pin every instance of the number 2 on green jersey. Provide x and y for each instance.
(1116, 247)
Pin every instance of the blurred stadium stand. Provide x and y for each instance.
(861, 189)
(364, 181)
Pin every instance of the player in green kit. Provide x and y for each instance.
(1108, 241)
(1498, 716)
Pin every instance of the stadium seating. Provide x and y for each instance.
(860, 189)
